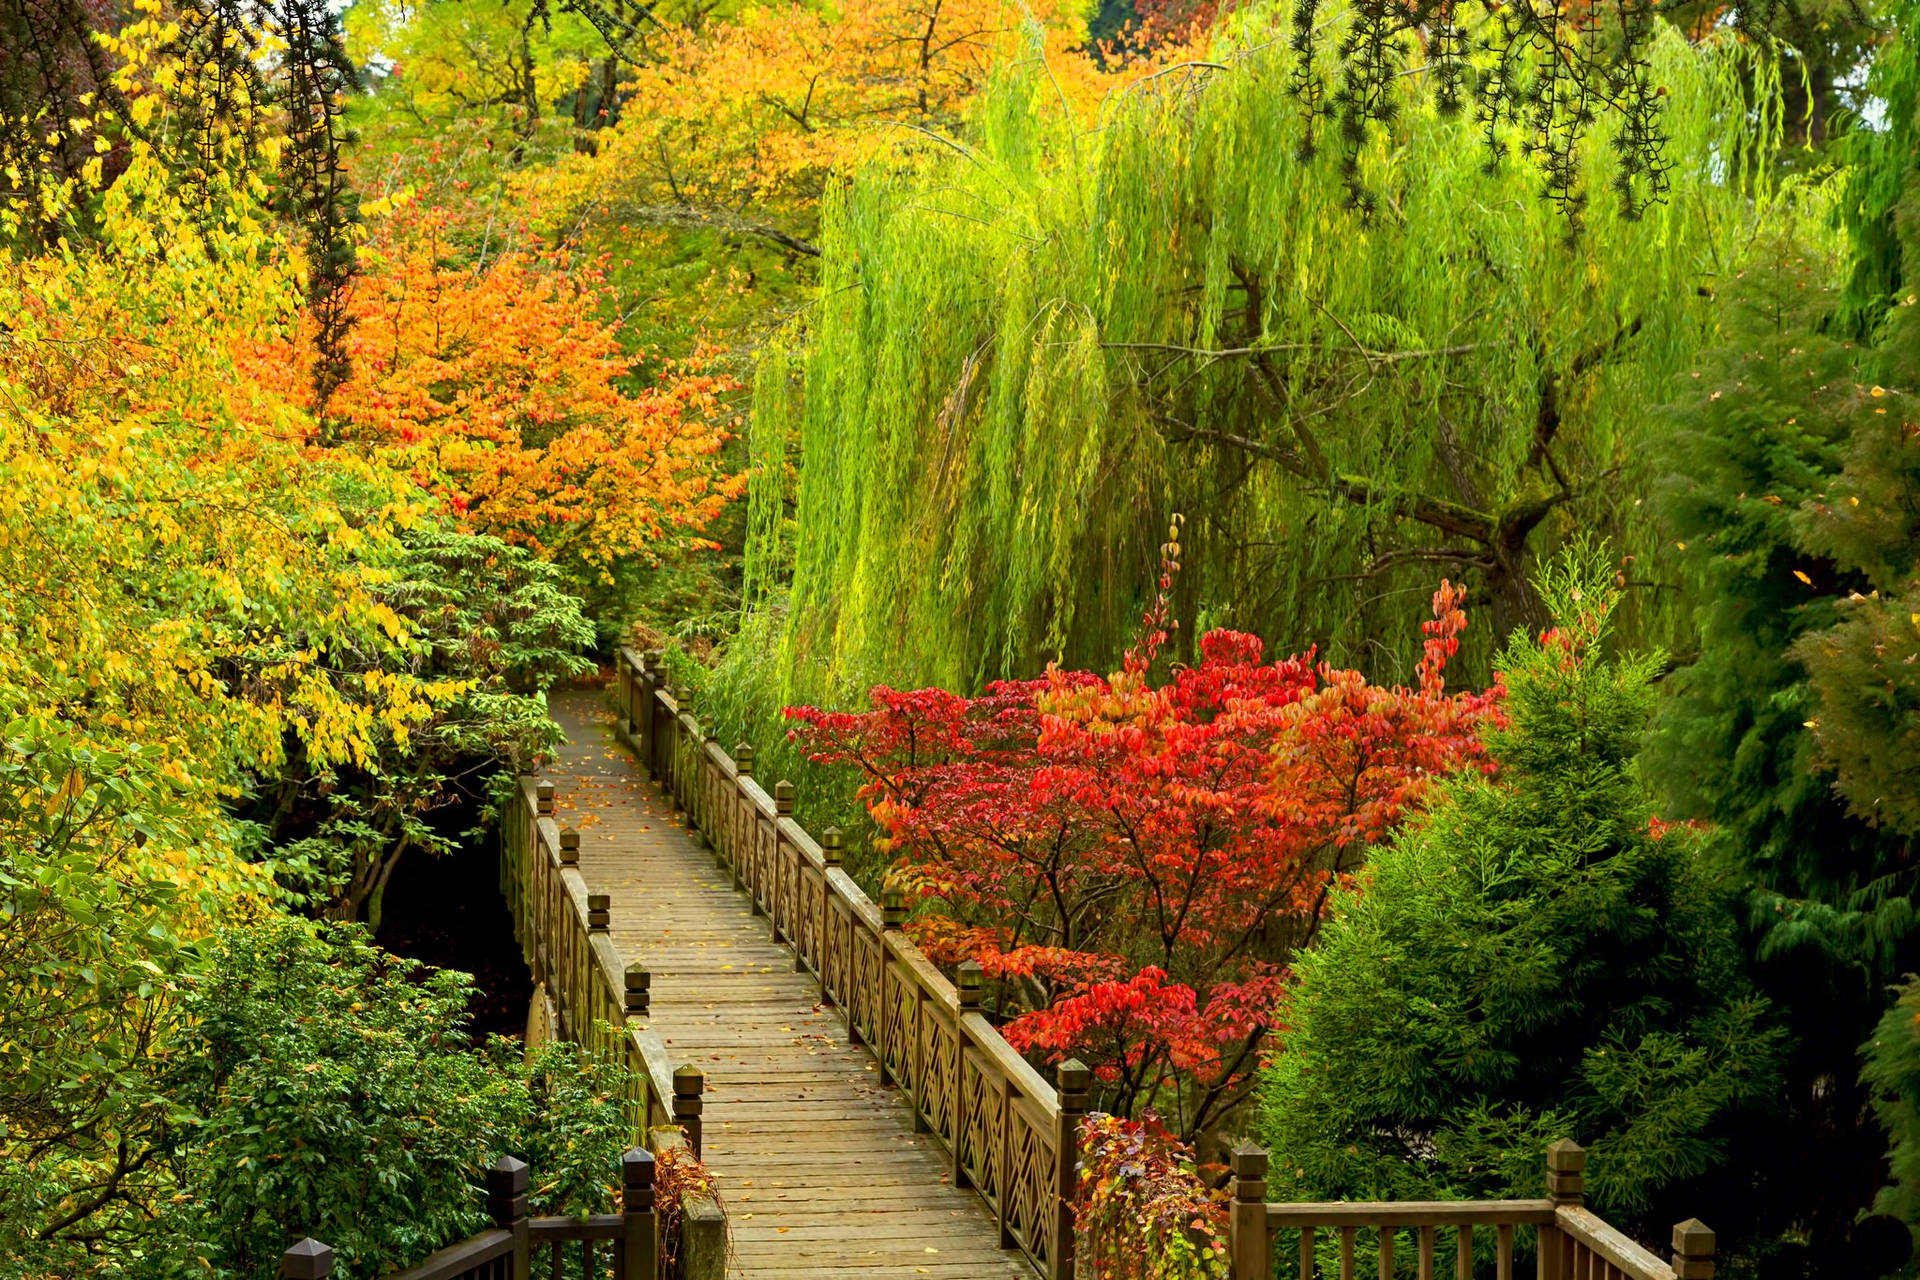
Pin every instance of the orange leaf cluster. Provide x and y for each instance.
(498, 388)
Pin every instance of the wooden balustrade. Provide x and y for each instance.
(1012, 1136)
(600, 999)
(617, 1246)
(1570, 1243)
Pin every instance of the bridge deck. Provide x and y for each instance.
(817, 1163)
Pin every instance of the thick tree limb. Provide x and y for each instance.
(690, 215)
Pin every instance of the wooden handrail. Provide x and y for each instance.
(628, 1242)
(1012, 1136)
(1570, 1242)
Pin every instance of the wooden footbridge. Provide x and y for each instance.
(859, 1113)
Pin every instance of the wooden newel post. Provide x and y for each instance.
(649, 684)
(1566, 1189)
(639, 1226)
(543, 799)
(1692, 1251)
(639, 989)
(599, 914)
(832, 846)
(507, 1206)
(689, 1083)
(972, 981)
(307, 1260)
(783, 798)
(1247, 1217)
(893, 907)
(1074, 1081)
(569, 847)
(743, 759)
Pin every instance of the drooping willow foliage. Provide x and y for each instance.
(1027, 353)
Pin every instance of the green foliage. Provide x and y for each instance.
(1791, 733)
(1530, 960)
(1028, 351)
(1893, 1073)
(334, 1093)
(90, 946)
(491, 618)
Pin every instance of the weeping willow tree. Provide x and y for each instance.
(1029, 351)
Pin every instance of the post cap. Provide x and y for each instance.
(569, 838)
(743, 758)
(1074, 1076)
(783, 796)
(307, 1260)
(636, 1168)
(508, 1174)
(971, 977)
(639, 977)
(1249, 1160)
(893, 907)
(1566, 1156)
(689, 1081)
(831, 844)
(543, 796)
(1693, 1239)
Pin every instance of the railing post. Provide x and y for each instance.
(1247, 1218)
(569, 847)
(830, 853)
(968, 990)
(307, 1260)
(893, 914)
(649, 706)
(782, 808)
(639, 986)
(786, 876)
(1567, 1189)
(639, 1226)
(507, 1205)
(599, 912)
(1074, 1080)
(741, 828)
(543, 799)
(1692, 1251)
(689, 1082)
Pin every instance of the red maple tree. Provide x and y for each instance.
(1131, 863)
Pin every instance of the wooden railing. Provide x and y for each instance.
(619, 1246)
(600, 1000)
(1012, 1137)
(1570, 1243)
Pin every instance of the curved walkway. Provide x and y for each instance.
(817, 1162)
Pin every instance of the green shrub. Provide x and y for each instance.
(1532, 959)
(328, 1088)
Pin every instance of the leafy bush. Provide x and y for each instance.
(1145, 1213)
(1531, 959)
(331, 1091)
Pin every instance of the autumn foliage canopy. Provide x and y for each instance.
(1132, 863)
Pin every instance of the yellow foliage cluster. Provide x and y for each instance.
(762, 109)
(177, 575)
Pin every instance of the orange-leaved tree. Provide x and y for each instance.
(739, 124)
(498, 386)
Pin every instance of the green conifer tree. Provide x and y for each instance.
(1795, 491)
(1531, 960)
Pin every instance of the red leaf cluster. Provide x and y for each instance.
(1135, 863)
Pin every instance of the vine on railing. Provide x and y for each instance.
(1011, 1136)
